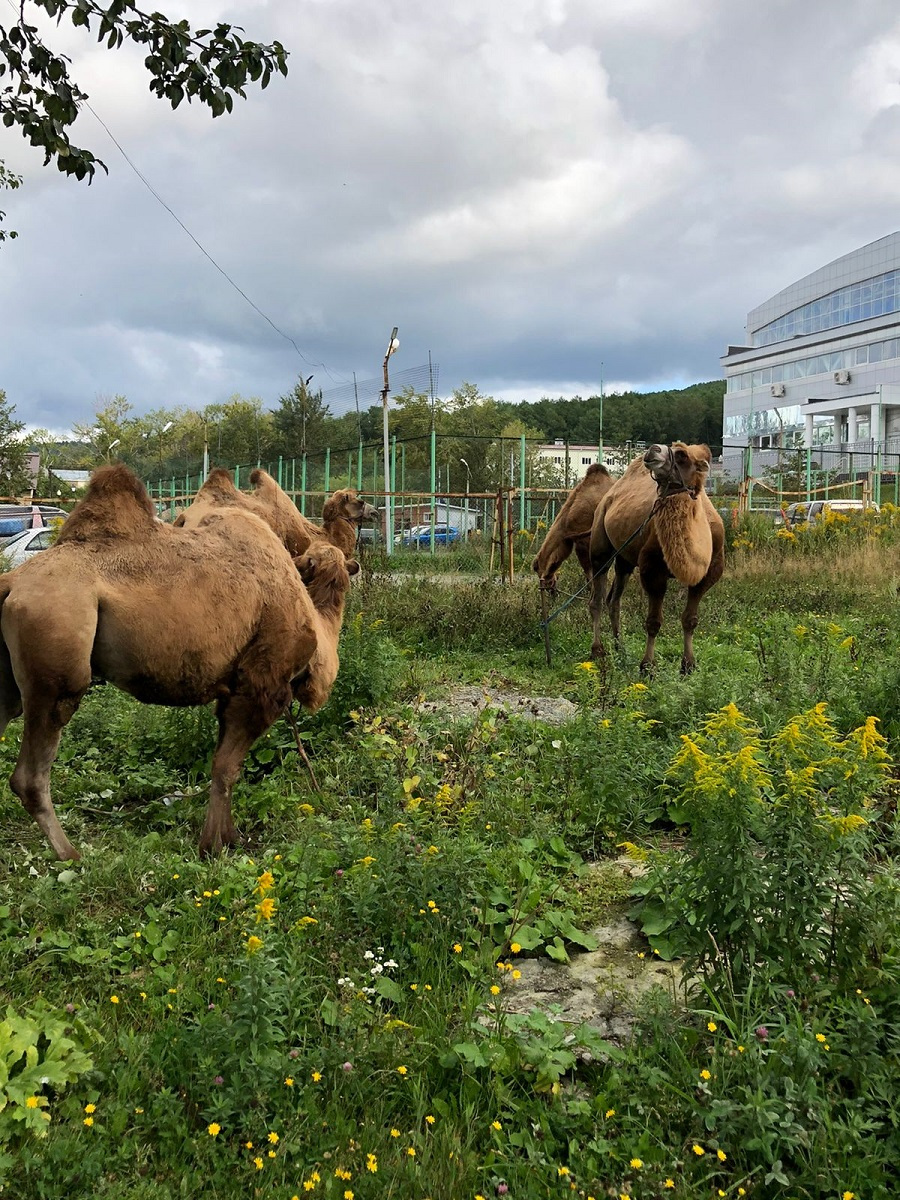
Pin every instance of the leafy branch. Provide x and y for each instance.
(40, 96)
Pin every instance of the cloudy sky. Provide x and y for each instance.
(528, 189)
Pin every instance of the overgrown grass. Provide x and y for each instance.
(322, 1013)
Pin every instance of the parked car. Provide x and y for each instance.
(812, 510)
(420, 535)
(16, 518)
(24, 545)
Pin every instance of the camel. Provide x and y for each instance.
(572, 528)
(326, 574)
(342, 513)
(681, 536)
(175, 617)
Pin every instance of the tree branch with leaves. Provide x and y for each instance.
(38, 94)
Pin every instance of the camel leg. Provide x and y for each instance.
(600, 551)
(690, 616)
(30, 780)
(242, 719)
(614, 600)
(654, 581)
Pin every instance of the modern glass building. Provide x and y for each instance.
(821, 363)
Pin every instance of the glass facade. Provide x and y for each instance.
(819, 364)
(858, 301)
(785, 427)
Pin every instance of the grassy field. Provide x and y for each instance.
(322, 1013)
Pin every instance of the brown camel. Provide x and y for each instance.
(326, 573)
(171, 617)
(342, 514)
(683, 538)
(572, 528)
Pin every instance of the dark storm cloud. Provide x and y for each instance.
(528, 190)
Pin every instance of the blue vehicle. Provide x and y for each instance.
(420, 535)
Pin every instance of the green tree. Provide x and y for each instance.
(10, 181)
(41, 98)
(14, 477)
(301, 421)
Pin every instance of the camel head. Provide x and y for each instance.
(550, 582)
(345, 505)
(678, 468)
(326, 573)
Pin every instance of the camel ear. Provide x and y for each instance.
(352, 566)
(179, 521)
(330, 511)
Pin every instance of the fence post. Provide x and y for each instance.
(303, 484)
(172, 500)
(433, 482)
(522, 482)
(294, 480)
(392, 503)
(808, 474)
(359, 467)
(280, 483)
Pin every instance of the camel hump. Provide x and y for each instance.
(219, 487)
(596, 469)
(115, 504)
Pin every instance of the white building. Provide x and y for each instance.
(820, 366)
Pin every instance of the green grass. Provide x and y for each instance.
(435, 845)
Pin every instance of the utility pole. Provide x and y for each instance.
(393, 346)
(600, 454)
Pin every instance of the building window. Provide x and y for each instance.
(856, 302)
(586, 462)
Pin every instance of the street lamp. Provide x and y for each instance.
(466, 518)
(393, 347)
(112, 445)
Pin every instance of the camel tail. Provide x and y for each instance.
(10, 696)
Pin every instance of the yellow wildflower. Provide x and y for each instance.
(721, 1155)
(316, 1076)
(114, 999)
(401, 1070)
(254, 943)
(32, 1102)
(90, 1108)
(214, 1130)
(429, 1119)
(88, 1121)
(258, 1163)
(705, 1075)
(265, 883)
(272, 1137)
(515, 948)
(265, 910)
(698, 1150)
(457, 948)
(636, 1164)
(495, 991)
(395, 1133)
(711, 1026)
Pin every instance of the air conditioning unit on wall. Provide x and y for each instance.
(842, 377)
(778, 389)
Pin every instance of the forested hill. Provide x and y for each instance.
(691, 414)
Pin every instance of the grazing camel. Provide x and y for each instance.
(572, 528)
(342, 513)
(683, 538)
(176, 617)
(326, 574)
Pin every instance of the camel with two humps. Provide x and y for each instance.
(572, 528)
(680, 536)
(179, 617)
(342, 515)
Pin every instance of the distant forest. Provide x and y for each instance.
(472, 429)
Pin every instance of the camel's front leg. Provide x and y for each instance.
(595, 606)
(44, 722)
(654, 581)
(242, 719)
(689, 617)
(614, 600)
